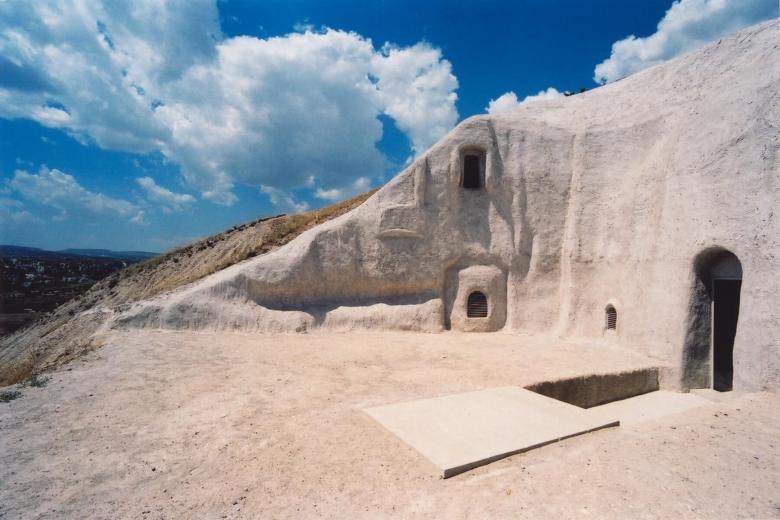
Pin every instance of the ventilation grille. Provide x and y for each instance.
(611, 318)
(477, 306)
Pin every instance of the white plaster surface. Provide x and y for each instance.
(464, 431)
(606, 196)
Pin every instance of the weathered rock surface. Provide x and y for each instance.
(629, 195)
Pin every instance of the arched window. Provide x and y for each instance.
(477, 305)
(471, 177)
(611, 318)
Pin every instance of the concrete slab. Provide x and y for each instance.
(635, 410)
(713, 395)
(464, 431)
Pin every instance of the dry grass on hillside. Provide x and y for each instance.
(65, 334)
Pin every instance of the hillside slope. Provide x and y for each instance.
(66, 332)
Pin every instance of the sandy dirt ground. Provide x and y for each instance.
(174, 425)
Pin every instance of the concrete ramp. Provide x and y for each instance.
(464, 431)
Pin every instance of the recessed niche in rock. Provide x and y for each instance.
(471, 175)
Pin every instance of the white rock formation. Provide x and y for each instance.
(634, 195)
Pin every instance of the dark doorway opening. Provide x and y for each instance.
(708, 354)
(471, 177)
(725, 303)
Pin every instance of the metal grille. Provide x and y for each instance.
(477, 305)
(611, 318)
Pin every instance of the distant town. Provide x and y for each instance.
(35, 281)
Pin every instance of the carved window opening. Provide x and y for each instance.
(477, 305)
(472, 180)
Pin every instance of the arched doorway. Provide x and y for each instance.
(708, 358)
(726, 285)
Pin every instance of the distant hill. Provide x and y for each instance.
(27, 251)
(137, 256)
(105, 253)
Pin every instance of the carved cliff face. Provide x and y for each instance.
(400, 244)
(555, 210)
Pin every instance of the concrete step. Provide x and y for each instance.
(635, 410)
(713, 395)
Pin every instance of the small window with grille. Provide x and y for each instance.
(611, 318)
(477, 305)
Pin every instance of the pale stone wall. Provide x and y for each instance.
(602, 198)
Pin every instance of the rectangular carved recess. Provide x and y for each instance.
(595, 389)
(471, 177)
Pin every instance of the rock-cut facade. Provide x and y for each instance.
(638, 214)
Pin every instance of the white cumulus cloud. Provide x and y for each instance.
(416, 88)
(140, 218)
(687, 25)
(160, 76)
(12, 212)
(61, 191)
(509, 100)
(361, 185)
(170, 201)
(503, 103)
(282, 201)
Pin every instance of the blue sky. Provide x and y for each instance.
(145, 125)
